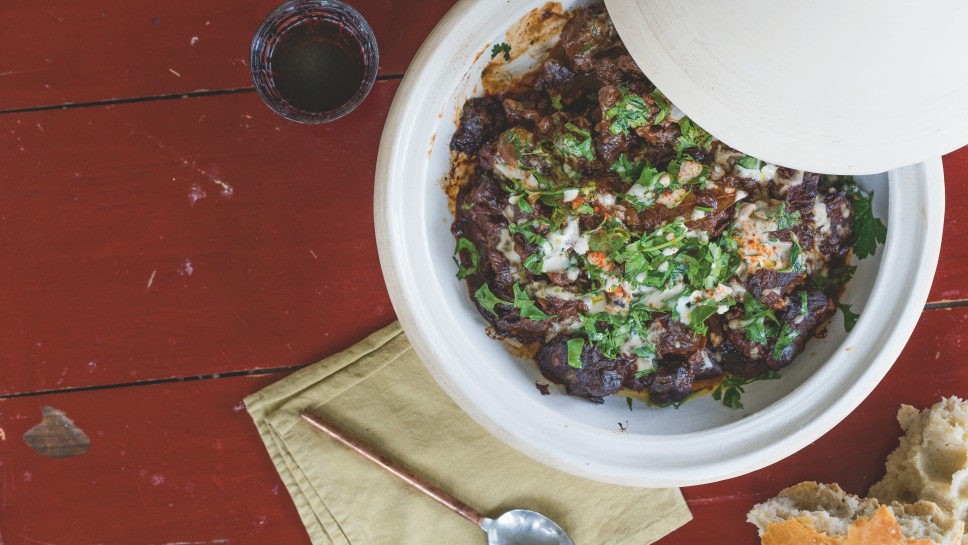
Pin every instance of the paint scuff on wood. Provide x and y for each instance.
(57, 436)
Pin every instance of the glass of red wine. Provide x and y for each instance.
(313, 61)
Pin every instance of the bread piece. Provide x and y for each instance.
(931, 461)
(823, 514)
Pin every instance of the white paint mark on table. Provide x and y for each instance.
(157, 479)
(172, 70)
(312, 253)
(195, 194)
(225, 189)
(194, 40)
(151, 280)
(186, 269)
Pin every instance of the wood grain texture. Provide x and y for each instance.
(184, 237)
(62, 52)
(172, 463)
(182, 462)
(951, 280)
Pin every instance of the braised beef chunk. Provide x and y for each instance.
(671, 385)
(675, 338)
(838, 229)
(597, 212)
(511, 324)
(805, 310)
(597, 377)
(589, 33)
(481, 119)
(616, 70)
(802, 195)
(771, 287)
(553, 74)
(703, 365)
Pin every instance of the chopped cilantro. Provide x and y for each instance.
(786, 219)
(534, 263)
(501, 48)
(762, 323)
(556, 102)
(465, 245)
(487, 299)
(786, 337)
(628, 401)
(575, 142)
(665, 107)
(749, 162)
(527, 306)
(693, 136)
(575, 347)
(869, 231)
(796, 257)
(629, 112)
(730, 389)
(850, 317)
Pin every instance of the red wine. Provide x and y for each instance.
(317, 65)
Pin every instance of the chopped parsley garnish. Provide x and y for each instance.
(575, 346)
(487, 299)
(750, 163)
(786, 219)
(501, 48)
(796, 257)
(628, 401)
(575, 142)
(527, 306)
(869, 231)
(556, 102)
(850, 317)
(730, 390)
(465, 245)
(693, 136)
(784, 340)
(629, 112)
(762, 323)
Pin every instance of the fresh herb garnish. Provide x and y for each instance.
(730, 390)
(796, 257)
(575, 347)
(762, 323)
(750, 163)
(556, 102)
(693, 136)
(527, 306)
(575, 142)
(786, 219)
(629, 112)
(837, 278)
(786, 337)
(850, 317)
(465, 245)
(628, 401)
(487, 299)
(869, 231)
(501, 48)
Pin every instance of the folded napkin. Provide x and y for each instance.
(379, 391)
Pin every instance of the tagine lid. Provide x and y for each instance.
(826, 85)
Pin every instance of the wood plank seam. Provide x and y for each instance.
(174, 96)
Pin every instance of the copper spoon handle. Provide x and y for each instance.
(392, 467)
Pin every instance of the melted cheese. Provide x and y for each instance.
(753, 232)
(558, 244)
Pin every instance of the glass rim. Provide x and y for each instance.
(275, 25)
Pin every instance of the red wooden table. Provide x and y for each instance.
(168, 246)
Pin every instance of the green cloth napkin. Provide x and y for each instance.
(379, 391)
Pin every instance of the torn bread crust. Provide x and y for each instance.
(824, 514)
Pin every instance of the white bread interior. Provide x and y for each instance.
(829, 510)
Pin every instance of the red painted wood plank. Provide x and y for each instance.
(852, 454)
(951, 280)
(61, 51)
(185, 237)
(181, 462)
(168, 463)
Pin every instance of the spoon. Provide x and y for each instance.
(516, 527)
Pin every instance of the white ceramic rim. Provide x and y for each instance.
(908, 264)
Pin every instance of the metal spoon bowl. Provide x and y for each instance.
(516, 527)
